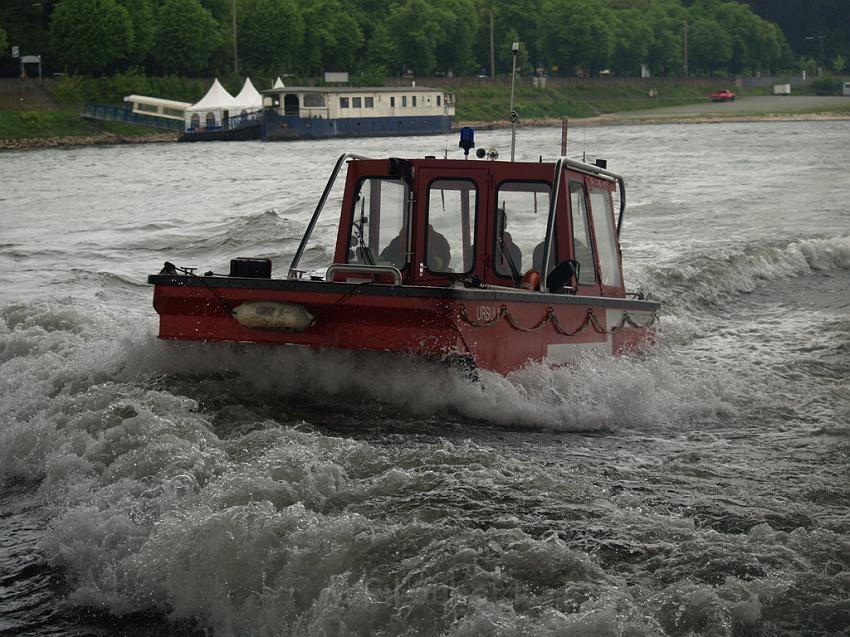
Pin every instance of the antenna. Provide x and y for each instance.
(513, 114)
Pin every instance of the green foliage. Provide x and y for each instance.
(826, 85)
(710, 47)
(416, 29)
(141, 17)
(577, 35)
(89, 36)
(366, 37)
(3, 41)
(271, 34)
(332, 39)
(186, 35)
(839, 63)
(32, 124)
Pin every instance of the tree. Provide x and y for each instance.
(633, 36)
(576, 34)
(186, 35)
(416, 28)
(3, 42)
(710, 47)
(380, 51)
(332, 37)
(90, 36)
(271, 35)
(141, 17)
(839, 63)
(455, 49)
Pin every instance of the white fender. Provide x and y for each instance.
(273, 315)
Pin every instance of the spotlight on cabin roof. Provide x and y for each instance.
(467, 139)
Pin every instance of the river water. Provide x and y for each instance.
(697, 488)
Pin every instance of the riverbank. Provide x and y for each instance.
(750, 109)
(85, 140)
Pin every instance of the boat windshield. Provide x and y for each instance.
(379, 231)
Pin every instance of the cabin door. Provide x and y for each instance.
(291, 105)
(447, 222)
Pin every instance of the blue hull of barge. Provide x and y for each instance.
(282, 127)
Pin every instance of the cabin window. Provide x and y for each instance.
(450, 242)
(606, 236)
(522, 215)
(404, 100)
(148, 108)
(582, 243)
(414, 101)
(210, 119)
(356, 102)
(343, 102)
(314, 100)
(370, 102)
(392, 102)
(438, 100)
(378, 229)
(173, 112)
(195, 121)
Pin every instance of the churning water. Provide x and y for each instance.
(698, 488)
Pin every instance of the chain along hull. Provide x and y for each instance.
(498, 330)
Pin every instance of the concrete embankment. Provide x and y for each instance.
(86, 140)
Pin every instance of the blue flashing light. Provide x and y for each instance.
(467, 139)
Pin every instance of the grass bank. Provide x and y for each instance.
(491, 103)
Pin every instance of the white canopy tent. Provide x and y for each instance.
(248, 100)
(212, 109)
(279, 83)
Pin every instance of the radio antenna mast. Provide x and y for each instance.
(513, 114)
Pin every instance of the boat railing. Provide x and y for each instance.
(293, 268)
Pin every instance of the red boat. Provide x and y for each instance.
(490, 264)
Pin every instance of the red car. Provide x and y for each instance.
(722, 96)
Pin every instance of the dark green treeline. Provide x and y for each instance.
(373, 38)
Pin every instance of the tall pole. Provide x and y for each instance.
(513, 114)
(235, 50)
(492, 47)
(685, 45)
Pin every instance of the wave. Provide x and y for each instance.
(709, 280)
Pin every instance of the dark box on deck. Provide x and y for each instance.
(251, 268)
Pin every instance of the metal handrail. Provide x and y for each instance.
(365, 269)
(293, 267)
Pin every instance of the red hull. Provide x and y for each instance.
(496, 330)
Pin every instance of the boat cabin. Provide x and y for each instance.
(344, 102)
(547, 227)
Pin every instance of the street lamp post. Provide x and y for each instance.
(821, 38)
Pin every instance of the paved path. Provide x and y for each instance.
(758, 105)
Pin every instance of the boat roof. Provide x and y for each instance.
(351, 89)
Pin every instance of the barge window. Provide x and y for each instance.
(522, 215)
(210, 119)
(606, 236)
(392, 102)
(378, 230)
(370, 102)
(438, 100)
(404, 100)
(582, 243)
(355, 102)
(452, 209)
(314, 100)
(414, 101)
(343, 102)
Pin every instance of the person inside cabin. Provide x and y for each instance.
(439, 251)
(508, 254)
